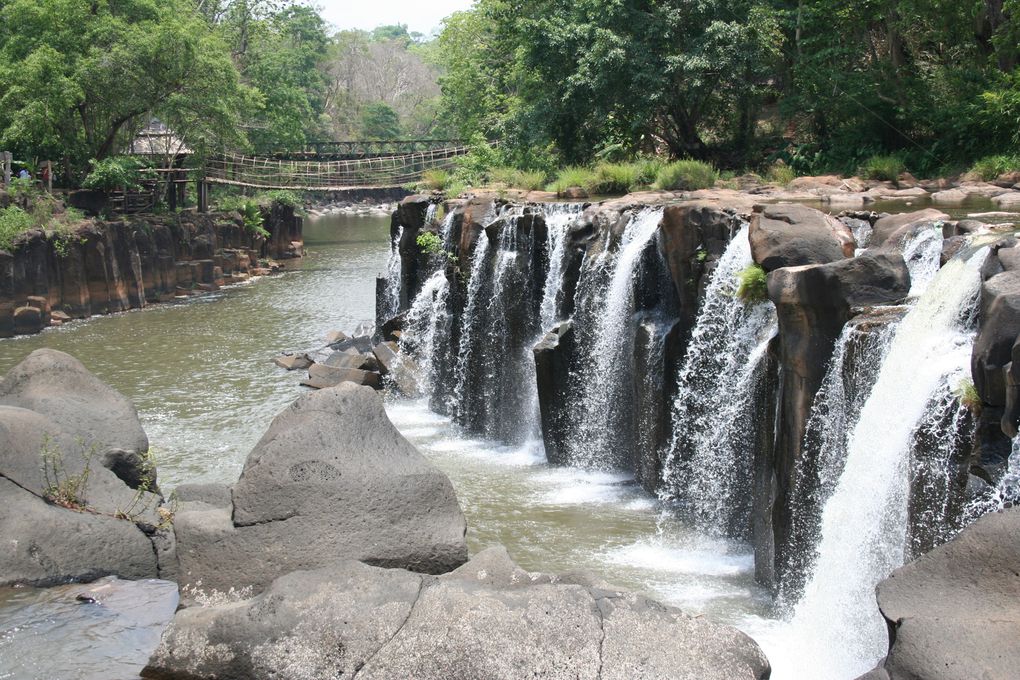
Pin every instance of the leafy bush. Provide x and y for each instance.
(283, 197)
(13, 222)
(752, 285)
(436, 180)
(780, 174)
(116, 172)
(572, 176)
(990, 167)
(429, 243)
(251, 213)
(530, 180)
(615, 178)
(885, 168)
(686, 175)
(473, 168)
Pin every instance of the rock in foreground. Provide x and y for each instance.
(331, 480)
(487, 620)
(954, 614)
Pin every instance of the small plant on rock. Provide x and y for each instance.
(251, 213)
(884, 168)
(432, 244)
(752, 285)
(968, 396)
(61, 488)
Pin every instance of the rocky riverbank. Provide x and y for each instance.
(113, 266)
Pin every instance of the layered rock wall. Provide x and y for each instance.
(108, 267)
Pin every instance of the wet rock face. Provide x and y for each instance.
(488, 619)
(790, 235)
(331, 480)
(813, 303)
(954, 614)
(894, 229)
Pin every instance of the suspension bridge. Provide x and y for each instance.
(336, 166)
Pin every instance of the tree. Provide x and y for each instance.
(380, 121)
(78, 79)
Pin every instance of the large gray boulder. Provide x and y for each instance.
(791, 235)
(954, 614)
(894, 229)
(331, 480)
(487, 620)
(45, 544)
(57, 385)
(41, 458)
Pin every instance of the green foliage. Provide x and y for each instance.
(113, 173)
(380, 121)
(968, 396)
(519, 179)
(883, 167)
(429, 243)
(13, 222)
(61, 487)
(436, 180)
(474, 167)
(780, 174)
(572, 176)
(251, 213)
(686, 175)
(991, 167)
(752, 285)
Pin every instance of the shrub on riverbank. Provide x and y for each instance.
(572, 176)
(686, 175)
(514, 178)
(991, 167)
(753, 284)
(883, 168)
(43, 212)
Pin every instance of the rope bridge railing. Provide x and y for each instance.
(365, 173)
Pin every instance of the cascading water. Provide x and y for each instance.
(853, 369)
(393, 277)
(426, 328)
(558, 217)
(836, 630)
(922, 253)
(610, 357)
(708, 469)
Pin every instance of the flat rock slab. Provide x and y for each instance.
(955, 613)
(790, 235)
(321, 376)
(487, 620)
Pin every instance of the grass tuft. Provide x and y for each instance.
(753, 284)
(686, 175)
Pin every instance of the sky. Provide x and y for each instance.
(422, 16)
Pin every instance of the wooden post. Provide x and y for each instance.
(203, 196)
(49, 176)
(6, 160)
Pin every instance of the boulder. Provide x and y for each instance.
(954, 614)
(332, 479)
(489, 619)
(894, 229)
(791, 235)
(1008, 201)
(412, 210)
(998, 329)
(46, 545)
(43, 459)
(334, 337)
(58, 385)
(293, 362)
(321, 376)
(401, 370)
(350, 358)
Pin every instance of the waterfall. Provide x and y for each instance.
(708, 469)
(393, 277)
(469, 328)
(600, 434)
(853, 369)
(427, 327)
(558, 217)
(1005, 494)
(837, 629)
(922, 253)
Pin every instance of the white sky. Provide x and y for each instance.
(420, 15)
